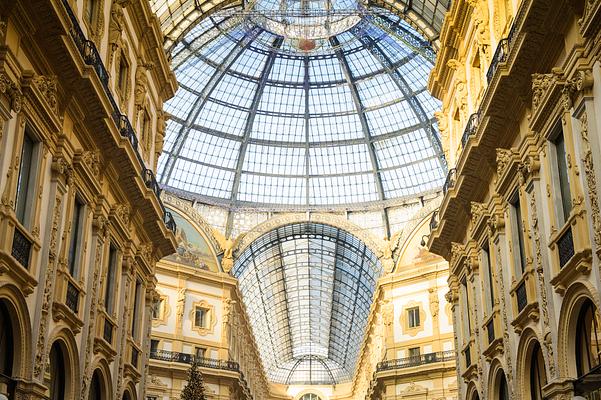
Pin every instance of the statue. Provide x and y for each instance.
(227, 262)
(141, 83)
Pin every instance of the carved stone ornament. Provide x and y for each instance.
(540, 85)
(141, 82)
(47, 85)
(477, 210)
(91, 159)
(503, 159)
(61, 167)
(457, 250)
(123, 212)
(12, 90)
(591, 183)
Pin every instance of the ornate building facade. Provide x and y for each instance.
(81, 222)
(406, 352)
(519, 222)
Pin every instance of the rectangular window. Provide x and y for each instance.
(518, 236)
(414, 352)
(25, 183)
(200, 317)
(563, 177)
(467, 324)
(76, 233)
(134, 322)
(200, 352)
(123, 74)
(489, 289)
(413, 317)
(154, 346)
(109, 295)
(145, 131)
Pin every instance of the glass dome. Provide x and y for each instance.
(277, 121)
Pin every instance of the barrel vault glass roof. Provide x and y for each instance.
(258, 121)
(308, 289)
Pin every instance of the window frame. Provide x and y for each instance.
(562, 190)
(516, 217)
(77, 230)
(27, 198)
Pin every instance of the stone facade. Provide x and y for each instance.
(81, 223)
(522, 234)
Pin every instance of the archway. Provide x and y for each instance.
(538, 374)
(588, 337)
(57, 378)
(7, 346)
(498, 388)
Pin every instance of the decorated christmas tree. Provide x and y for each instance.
(194, 389)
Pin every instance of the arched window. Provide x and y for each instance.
(6, 342)
(57, 373)
(538, 376)
(588, 337)
(95, 387)
(310, 396)
(503, 390)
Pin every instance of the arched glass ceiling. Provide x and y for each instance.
(308, 289)
(257, 121)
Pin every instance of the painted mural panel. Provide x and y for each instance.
(192, 248)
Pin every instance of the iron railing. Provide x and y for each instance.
(521, 296)
(589, 384)
(470, 128)
(490, 330)
(91, 56)
(21, 249)
(449, 183)
(422, 359)
(501, 54)
(565, 247)
(185, 358)
(72, 298)
(107, 333)
(434, 220)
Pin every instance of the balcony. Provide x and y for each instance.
(422, 359)
(521, 296)
(90, 55)
(185, 358)
(470, 128)
(21, 248)
(449, 183)
(589, 384)
(565, 247)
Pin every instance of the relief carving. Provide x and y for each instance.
(47, 85)
(13, 92)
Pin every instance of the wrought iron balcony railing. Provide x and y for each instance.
(91, 56)
(21, 249)
(565, 247)
(422, 359)
(449, 183)
(185, 358)
(470, 128)
(501, 54)
(72, 298)
(521, 296)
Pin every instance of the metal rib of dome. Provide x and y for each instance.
(259, 122)
(308, 289)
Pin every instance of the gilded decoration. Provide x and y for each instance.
(210, 315)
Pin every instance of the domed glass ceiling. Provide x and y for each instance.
(336, 113)
(308, 289)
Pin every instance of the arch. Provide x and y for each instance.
(576, 295)
(413, 232)
(196, 221)
(16, 309)
(196, 218)
(130, 391)
(370, 240)
(472, 391)
(102, 373)
(498, 388)
(531, 366)
(310, 394)
(64, 341)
